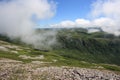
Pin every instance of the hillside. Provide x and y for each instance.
(77, 44)
(98, 47)
(75, 48)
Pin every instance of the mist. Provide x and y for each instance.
(16, 20)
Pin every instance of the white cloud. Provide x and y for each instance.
(64, 24)
(104, 13)
(67, 24)
(15, 16)
(72, 24)
(16, 19)
(82, 23)
(110, 10)
(107, 8)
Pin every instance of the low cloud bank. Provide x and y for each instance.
(104, 14)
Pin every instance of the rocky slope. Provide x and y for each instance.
(16, 70)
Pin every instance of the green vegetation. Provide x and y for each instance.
(99, 47)
(76, 48)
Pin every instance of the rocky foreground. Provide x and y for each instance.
(37, 70)
(15, 70)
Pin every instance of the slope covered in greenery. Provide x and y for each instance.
(75, 47)
(99, 47)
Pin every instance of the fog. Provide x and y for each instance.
(16, 20)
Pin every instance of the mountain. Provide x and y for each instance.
(78, 44)
(98, 47)
(76, 55)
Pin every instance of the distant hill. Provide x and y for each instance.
(78, 44)
(98, 47)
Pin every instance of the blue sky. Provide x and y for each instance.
(69, 13)
(69, 10)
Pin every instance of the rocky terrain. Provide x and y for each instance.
(16, 70)
(24, 63)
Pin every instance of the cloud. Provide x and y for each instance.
(104, 14)
(82, 23)
(16, 19)
(15, 16)
(64, 24)
(109, 9)
(72, 24)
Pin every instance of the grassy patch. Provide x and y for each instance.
(111, 67)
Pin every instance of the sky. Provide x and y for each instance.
(69, 10)
(21, 16)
